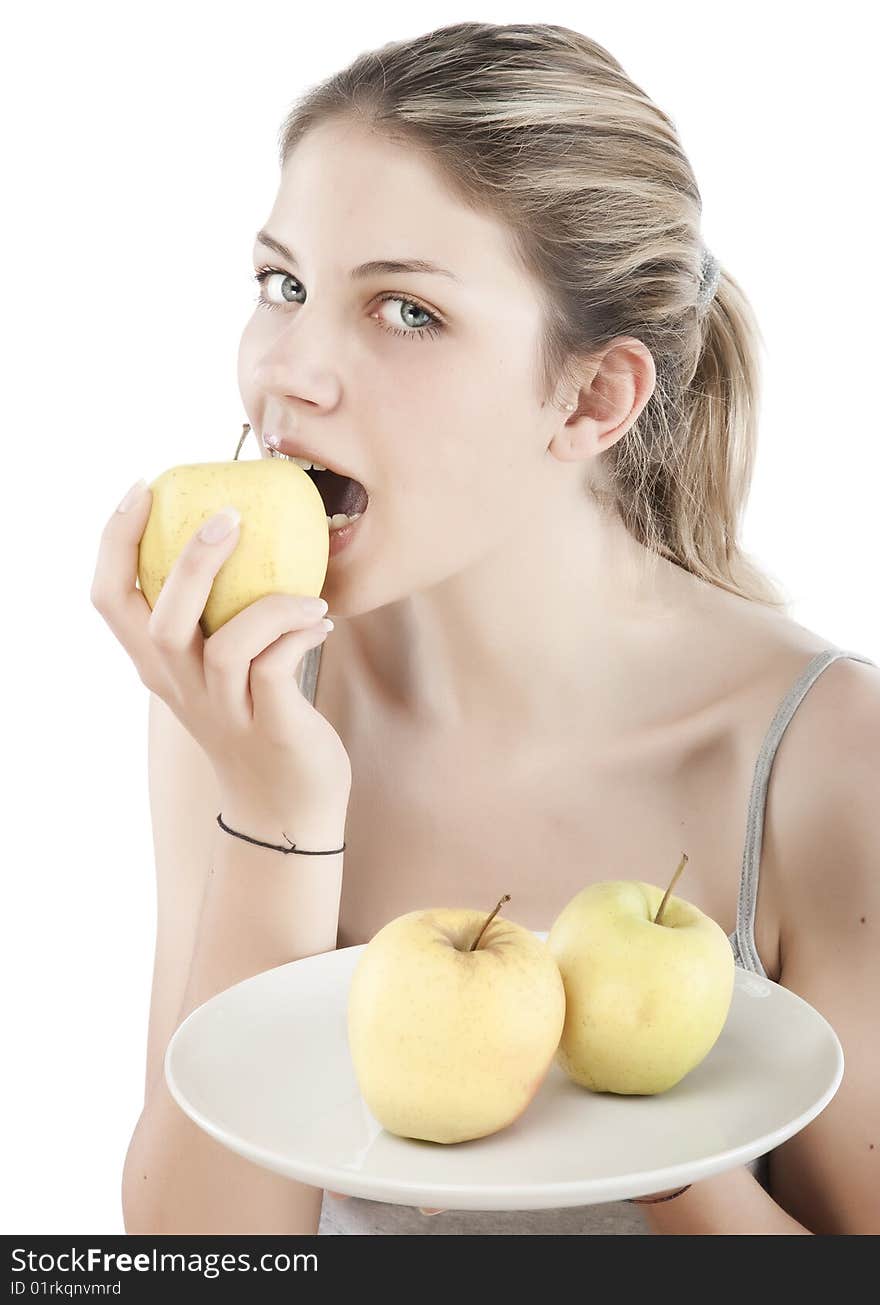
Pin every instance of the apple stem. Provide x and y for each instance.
(473, 947)
(681, 865)
(244, 434)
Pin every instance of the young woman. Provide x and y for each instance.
(486, 300)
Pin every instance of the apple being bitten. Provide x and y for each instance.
(284, 539)
(648, 985)
(453, 1022)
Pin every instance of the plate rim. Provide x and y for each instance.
(396, 1192)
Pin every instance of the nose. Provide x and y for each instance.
(298, 360)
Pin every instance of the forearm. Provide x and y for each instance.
(732, 1203)
(261, 908)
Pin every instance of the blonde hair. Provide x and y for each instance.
(540, 127)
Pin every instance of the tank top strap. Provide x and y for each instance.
(308, 672)
(743, 938)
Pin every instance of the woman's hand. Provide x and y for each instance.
(234, 692)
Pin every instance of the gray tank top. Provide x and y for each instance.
(355, 1216)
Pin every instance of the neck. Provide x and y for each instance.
(559, 627)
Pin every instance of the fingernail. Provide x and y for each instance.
(219, 526)
(314, 606)
(132, 496)
(431, 1211)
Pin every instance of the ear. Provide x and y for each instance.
(618, 383)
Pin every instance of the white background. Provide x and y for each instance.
(140, 158)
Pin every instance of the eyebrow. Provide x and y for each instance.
(375, 267)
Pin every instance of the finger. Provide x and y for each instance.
(277, 701)
(340, 1196)
(114, 592)
(174, 623)
(426, 1210)
(255, 654)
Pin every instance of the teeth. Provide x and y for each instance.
(339, 519)
(300, 462)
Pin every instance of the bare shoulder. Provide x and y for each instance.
(826, 763)
(821, 854)
(831, 747)
(767, 650)
(826, 858)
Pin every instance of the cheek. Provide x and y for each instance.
(441, 506)
(459, 469)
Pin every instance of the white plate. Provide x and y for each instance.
(264, 1068)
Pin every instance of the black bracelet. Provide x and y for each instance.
(275, 847)
(642, 1200)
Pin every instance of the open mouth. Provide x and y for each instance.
(340, 493)
(344, 498)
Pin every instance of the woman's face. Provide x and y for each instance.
(429, 397)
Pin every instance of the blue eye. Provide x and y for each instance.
(433, 326)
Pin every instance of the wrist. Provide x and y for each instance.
(313, 830)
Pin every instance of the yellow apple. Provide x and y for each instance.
(453, 1022)
(283, 544)
(648, 985)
